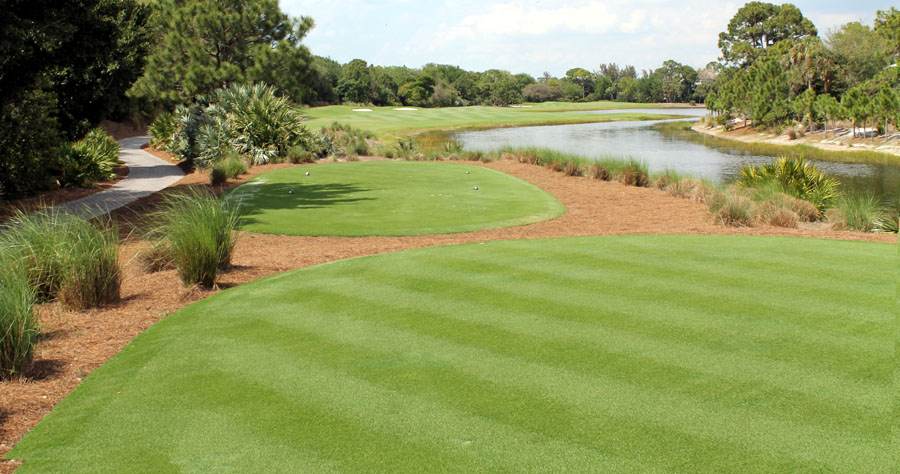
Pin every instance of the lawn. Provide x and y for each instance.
(390, 123)
(601, 354)
(389, 198)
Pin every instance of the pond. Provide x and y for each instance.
(640, 140)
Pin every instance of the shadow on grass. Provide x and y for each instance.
(277, 196)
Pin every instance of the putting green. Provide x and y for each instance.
(635, 353)
(389, 198)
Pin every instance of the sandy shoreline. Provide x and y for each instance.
(839, 140)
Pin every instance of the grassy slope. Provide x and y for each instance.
(637, 353)
(390, 198)
(390, 122)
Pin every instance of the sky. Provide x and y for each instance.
(537, 36)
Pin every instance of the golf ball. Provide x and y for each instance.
(290, 191)
(476, 188)
(307, 173)
(467, 171)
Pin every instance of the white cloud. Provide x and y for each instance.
(522, 19)
(635, 22)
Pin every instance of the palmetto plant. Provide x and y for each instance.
(250, 119)
(798, 178)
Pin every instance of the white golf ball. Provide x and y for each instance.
(476, 188)
(467, 171)
(307, 173)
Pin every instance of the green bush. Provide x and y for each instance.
(18, 324)
(162, 131)
(298, 154)
(252, 120)
(230, 167)
(91, 159)
(197, 229)
(890, 223)
(798, 178)
(67, 257)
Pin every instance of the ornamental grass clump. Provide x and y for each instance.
(197, 231)
(732, 207)
(857, 211)
(67, 257)
(18, 323)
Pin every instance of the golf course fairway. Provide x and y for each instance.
(389, 198)
(598, 354)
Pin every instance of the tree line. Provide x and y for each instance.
(776, 70)
(65, 66)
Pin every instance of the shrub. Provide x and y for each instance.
(889, 223)
(732, 208)
(406, 148)
(597, 171)
(773, 214)
(93, 274)
(197, 229)
(18, 324)
(798, 178)
(251, 120)
(453, 147)
(572, 168)
(297, 155)
(474, 156)
(162, 131)
(689, 188)
(91, 159)
(635, 176)
(858, 211)
(67, 257)
(229, 168)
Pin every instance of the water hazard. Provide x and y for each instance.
(661, 152)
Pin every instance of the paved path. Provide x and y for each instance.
(147, 174)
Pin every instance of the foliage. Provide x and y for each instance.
(758, 26)
(205, 44)
(67, 257)
(91, 159)
(197, 231)
(162, 131)
(66, 66)
(857, 211)
(18, 321)
(230, 167)
(250, 120)
(799, 178)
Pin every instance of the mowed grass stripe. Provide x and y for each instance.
(721, 384)
(597, 395)
(403, 363)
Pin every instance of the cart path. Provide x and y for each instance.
(147, 174)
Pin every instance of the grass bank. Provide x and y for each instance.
(583, 354)
(390, 123)
(683, 131)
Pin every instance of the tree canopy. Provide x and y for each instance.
(758, 26)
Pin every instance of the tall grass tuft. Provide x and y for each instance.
(18, 324)
(857, 211)
(229, 167)
(732, 207)
(197, 229)
(67, 257)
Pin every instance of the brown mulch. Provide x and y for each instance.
(75, 343)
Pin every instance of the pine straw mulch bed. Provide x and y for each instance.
(75, 343)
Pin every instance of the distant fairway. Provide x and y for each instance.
(386, 120)
(389, 198)
(603, 354)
